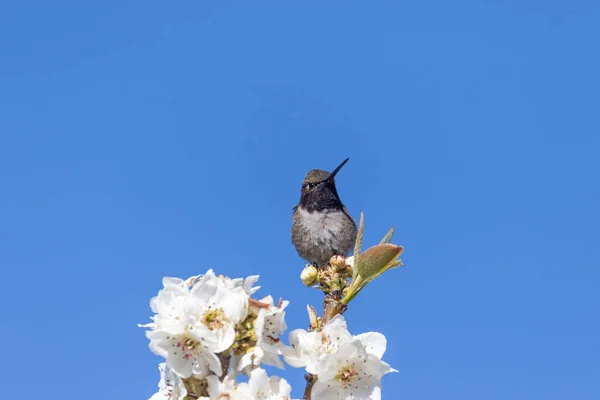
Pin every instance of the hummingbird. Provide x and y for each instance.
(321, 225)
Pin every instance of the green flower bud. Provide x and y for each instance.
(309, 275)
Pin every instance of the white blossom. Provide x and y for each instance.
(350, 373)
(228, 389)
(308, 348)
(269, 325)
(261, 387)
(250, 360)
(246, 283)
(192, 324)
(348, 367)
(170, 386)
(169, 306)
(184, 355)
(196, 319)
(218, 307)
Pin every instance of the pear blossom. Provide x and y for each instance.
(184, 355)
(218, 307)
(350, 373)
(205, 320)
(169, 306)
(227, 389)
(246, 283)
(261, 387)
(169, 336)
(192, 324)
(250, 360)
(308, 348)
(348, 367)
(170, 386)
(269, 325)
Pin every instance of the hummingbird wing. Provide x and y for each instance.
(345, 211)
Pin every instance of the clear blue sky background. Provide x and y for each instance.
(142, 139)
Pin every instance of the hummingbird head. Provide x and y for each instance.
(319, 192)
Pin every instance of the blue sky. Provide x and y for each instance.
(144, 139)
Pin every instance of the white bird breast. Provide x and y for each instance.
(321, 225)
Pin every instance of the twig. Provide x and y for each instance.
(225, 359)
(310, 381)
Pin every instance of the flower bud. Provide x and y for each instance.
(312, 317)
(337, 262)
(309, 275)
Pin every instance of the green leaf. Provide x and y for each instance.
(377, 259)
(388, 237)
(359, 236)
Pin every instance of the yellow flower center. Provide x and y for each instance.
(214, 319)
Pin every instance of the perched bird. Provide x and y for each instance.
(321, 225)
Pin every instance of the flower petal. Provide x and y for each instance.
(375, 343)
(180, 365)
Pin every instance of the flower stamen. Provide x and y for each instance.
(213, 319)
(346, 375)
(189, 347)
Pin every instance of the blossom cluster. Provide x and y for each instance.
(210, 331)
(347, 366)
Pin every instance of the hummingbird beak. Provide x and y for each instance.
(335, 171)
